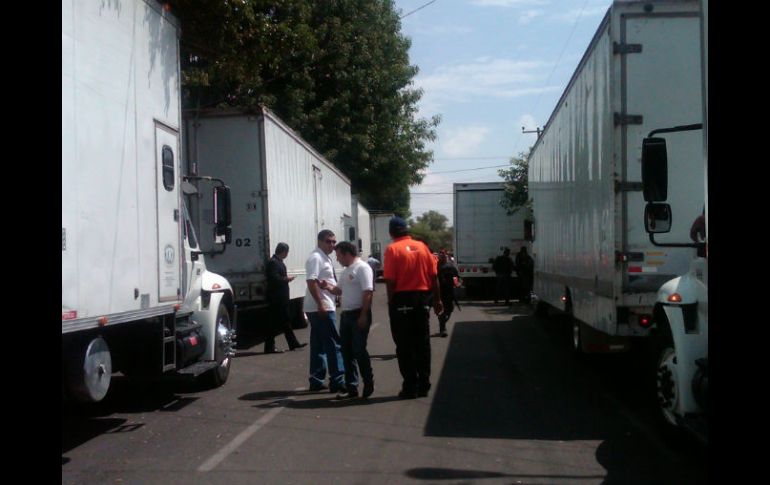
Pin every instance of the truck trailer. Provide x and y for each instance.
(593, 258)
(136, 293)
(362, 230)
(283, 190)
(482, 229)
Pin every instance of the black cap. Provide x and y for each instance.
(397, 225)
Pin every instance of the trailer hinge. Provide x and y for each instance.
(626, 119)
(622, 49)
(176, 215)
(63, 239)
(628, 186)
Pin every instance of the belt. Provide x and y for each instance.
(351, 311)
(405, 308)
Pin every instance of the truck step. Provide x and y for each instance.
(197, 368)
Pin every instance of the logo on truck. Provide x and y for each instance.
(168, 254)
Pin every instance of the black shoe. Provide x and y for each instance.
(273, 351)
(422, 391)
(298, 346)
(443, 333)
(407, 395)
(368, 389)
(318, 388)
(336, 389)
(349, 394)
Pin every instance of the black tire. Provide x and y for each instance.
(222, 348)
(664, 387)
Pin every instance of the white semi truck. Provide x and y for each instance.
(593, 258)
(362, 227)
(482, 229)
(680, 315)
(283, 190)
(380, 232)
(136, 294)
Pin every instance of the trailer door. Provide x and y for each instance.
(168, 216)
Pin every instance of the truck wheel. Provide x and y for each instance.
(223, 349)
(666, 385)
(89, 370)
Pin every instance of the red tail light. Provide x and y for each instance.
(645, 321)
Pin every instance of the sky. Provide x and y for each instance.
(489, 68)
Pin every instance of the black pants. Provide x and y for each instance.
(410, 325)
(447, 299)
(278, 318)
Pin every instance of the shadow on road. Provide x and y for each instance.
(456, 474)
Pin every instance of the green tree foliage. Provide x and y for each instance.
(336, 71)
(431, 228)
(516, 193)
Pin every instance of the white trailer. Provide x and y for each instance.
(362, 235)
(593, 258)
(380, 233)
(283, 190)
(482, 229)
(136, 296)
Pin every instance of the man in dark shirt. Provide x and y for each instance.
(278, 300)
(525, 268)
(503, 266)
(447, 275)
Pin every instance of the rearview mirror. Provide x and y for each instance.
(654, 170)
(657, 218)
(222, 215)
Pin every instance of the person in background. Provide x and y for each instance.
(319, 305)
(503, 266)
(278, 301)
(373, 263)
(525, 268)
(411, 277)
(355, 288)
(448, 277)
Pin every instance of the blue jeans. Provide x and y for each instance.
(325, 352)
(354, 348)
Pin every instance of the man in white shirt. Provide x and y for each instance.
(319, 305)
(355, 287)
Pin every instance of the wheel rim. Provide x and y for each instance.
(224, 345)
(667, 384)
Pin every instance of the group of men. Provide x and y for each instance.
(411, 273)
(503, 266)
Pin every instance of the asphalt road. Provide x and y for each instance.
(509, 405)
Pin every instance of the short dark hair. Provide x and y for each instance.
(324, 234)
(346, 247)
(281, 248)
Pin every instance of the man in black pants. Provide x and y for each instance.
(447, 275)
(410, 273)
(278, 299)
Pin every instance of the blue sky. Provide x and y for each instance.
(489, 67)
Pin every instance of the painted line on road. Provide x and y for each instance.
(220, 455)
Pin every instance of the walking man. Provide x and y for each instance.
(278, 301)
(503, 266)
(319, 305)
(410, 273)
(447, 275)
(355, 288)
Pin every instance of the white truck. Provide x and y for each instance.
(136, 294)
(593, 258)
(362, 228)
(482, 229)
(283, 190)
(680, 316)
(380, 232)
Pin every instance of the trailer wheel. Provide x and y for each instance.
(89, 371)
(666, 385)
(223, 349)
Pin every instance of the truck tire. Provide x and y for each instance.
(223, 349)
(666, 386)
(88, 370)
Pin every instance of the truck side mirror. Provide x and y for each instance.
(654, 170)
(352, 234)
(222, 215)
(657, 218)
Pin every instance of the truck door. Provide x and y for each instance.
(317, 179)
(168, 215)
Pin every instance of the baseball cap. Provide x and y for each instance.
(397, 224)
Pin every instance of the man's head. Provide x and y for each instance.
(506, 252)
(346, 253)
(442, 257)
(397, 227)
(282, 250)
(523, 250)
(326, 241)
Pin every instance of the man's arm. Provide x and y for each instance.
(438, 305)
(363, 321)
(315, 292)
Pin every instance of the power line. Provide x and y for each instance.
(419, 8)
(469, 169)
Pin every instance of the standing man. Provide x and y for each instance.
(503, 266)
(525, 268)
(447, 275)
(278, 301)
(320, 308)
(410, 273)
(356, 289)
(374, 263)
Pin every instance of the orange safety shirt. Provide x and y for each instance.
(410, 264)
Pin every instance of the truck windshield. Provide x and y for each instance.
(189, 231)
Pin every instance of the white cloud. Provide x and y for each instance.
(528, 16)
(570, 16)
(507, 3)
(484, 77)
(464, 141)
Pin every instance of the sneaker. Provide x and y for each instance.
(422, 391)
(349, 394)
(298, 346)
(318, 388)
(444, 334)
(368, 389)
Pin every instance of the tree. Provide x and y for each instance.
(431, 228)
(516, 193)
(336, 71)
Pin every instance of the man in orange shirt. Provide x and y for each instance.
(411, 276)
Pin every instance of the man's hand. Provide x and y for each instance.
(362, 321)
(290, 278)
(438, 307)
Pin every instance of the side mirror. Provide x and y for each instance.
(654, 170)
(352, 234)
(657, 218)
(222, 215)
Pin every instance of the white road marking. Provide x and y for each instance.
(220, 455)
